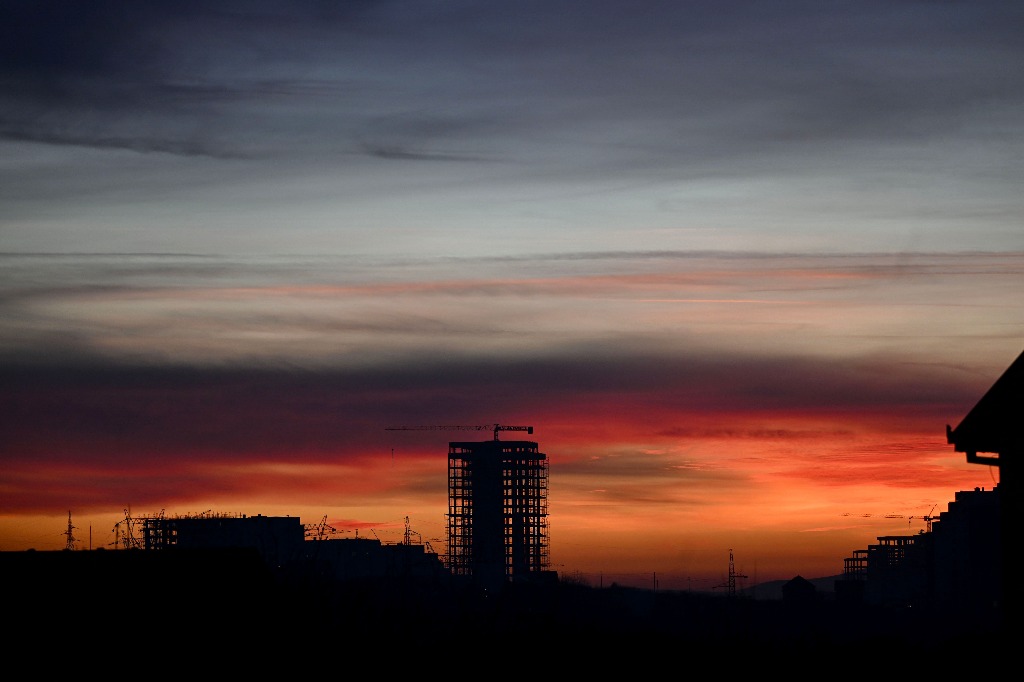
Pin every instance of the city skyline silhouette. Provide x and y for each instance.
(744, 269)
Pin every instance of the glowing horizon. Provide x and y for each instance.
(662, 455)
(739, 267)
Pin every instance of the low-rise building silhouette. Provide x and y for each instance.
(284, 544)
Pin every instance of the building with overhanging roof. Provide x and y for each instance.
(992, 433)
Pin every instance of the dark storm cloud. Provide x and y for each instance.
(706, 79)
(106, 412)
(150, 76)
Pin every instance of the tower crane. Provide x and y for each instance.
(485, 427)
(927, 518)
(320, 530)
(409, 532)
(884, 516)
(124, 530)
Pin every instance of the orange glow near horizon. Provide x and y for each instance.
(789, 505)
(794, 414)
(739, 266)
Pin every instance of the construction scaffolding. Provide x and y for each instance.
(497, 510)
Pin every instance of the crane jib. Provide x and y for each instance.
(460, 427)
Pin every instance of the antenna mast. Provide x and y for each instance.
(733, 575)
(69, 532)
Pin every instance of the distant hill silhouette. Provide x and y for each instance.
(772, 589)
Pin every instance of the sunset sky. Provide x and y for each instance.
(737, 263)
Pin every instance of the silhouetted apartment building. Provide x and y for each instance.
(954, 566)
(967, 543)
(899, 570)
(497, 511)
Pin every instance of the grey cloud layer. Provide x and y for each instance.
(448, 79)
(460, 128)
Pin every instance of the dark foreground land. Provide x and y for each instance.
(227, 610)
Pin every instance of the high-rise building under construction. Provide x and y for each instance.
(497, 510)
